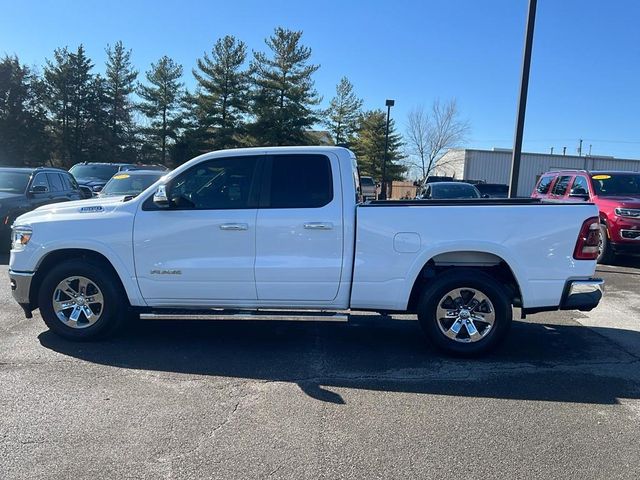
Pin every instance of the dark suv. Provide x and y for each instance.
(95, 175)
(24, 189)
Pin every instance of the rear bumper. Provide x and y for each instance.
(583, 295)
(21, 288)
(630, 248)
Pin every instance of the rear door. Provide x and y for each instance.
(299, 229)
(561, 187)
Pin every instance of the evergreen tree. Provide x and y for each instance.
(341, 118)
(221, 100)
(119, 85)
(162, 100)
(284, 93)
(69, 83)
(368, 145)
(23, 138)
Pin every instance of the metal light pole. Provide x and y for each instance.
(383, 191)
(522, 105)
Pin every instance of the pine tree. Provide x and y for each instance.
(222, 100)
(368, 145)
(284, 93)
(119, 85)
(69, 82)
(23, 138)
(341, 118)
(162, 100)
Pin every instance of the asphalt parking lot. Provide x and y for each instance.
(368, 399)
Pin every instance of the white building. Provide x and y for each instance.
(494, 166)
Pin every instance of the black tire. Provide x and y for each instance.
(488, 287)
(113, 312)
(606, 254)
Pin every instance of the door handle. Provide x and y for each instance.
(318, 226)
(234, 226)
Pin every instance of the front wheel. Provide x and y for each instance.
(605, 252)
(81, 300)
(465, 312)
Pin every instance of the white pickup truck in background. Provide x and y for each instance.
(280, 233)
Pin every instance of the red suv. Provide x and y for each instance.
(617, 195)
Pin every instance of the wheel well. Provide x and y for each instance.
(486, 262)
(58, 256)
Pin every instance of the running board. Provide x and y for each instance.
(246, 315)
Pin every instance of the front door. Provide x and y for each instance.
(300, 229)
(201, 249)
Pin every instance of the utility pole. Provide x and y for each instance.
(522, 104)
(580, 148)
(564, 150)
(383, 190)
(551, 150)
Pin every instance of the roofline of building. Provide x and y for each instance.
(543, 154)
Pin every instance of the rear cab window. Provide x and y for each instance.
(300, 181)
(561, 186)
(545, 184)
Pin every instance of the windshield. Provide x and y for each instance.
(448, 190)
(14, 182)
(127, 184)
(616, 184)
(493, 189)
(367, 182)
(100, 172)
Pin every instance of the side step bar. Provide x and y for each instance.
(269, 315)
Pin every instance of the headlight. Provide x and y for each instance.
(628, 212)
(20, 236)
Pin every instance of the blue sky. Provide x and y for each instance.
(584, 79)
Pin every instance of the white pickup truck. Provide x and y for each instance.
(280, 233)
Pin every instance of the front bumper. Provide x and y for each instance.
(21, 288)
(583, 295)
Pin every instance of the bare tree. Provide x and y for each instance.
(430, 133)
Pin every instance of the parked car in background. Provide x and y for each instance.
(24, 189)
(368, 188)
(95, 175)
(493, 190)
(130, 183)
(617, 196)
(449, 191)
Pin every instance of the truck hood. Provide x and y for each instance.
(621, 201)
(80, 208)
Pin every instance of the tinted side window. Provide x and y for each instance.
(55, 182)
(301, 181)
(223, 183)
(545, 183)
(561, 185)
(72, 181)
(580, 185)
(40, 180)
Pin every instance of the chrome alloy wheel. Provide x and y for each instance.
(78, 302)
(465, 315)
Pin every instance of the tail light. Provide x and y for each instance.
(588, 242)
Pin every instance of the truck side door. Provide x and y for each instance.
(299, 244)
(201, 249)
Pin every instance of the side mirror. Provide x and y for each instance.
(97, 189)
(486, 195)
(579, 193)
(160, 198)
(39, 189)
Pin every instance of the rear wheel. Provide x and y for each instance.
(605, 252)
(81, 300)
(465, 312)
